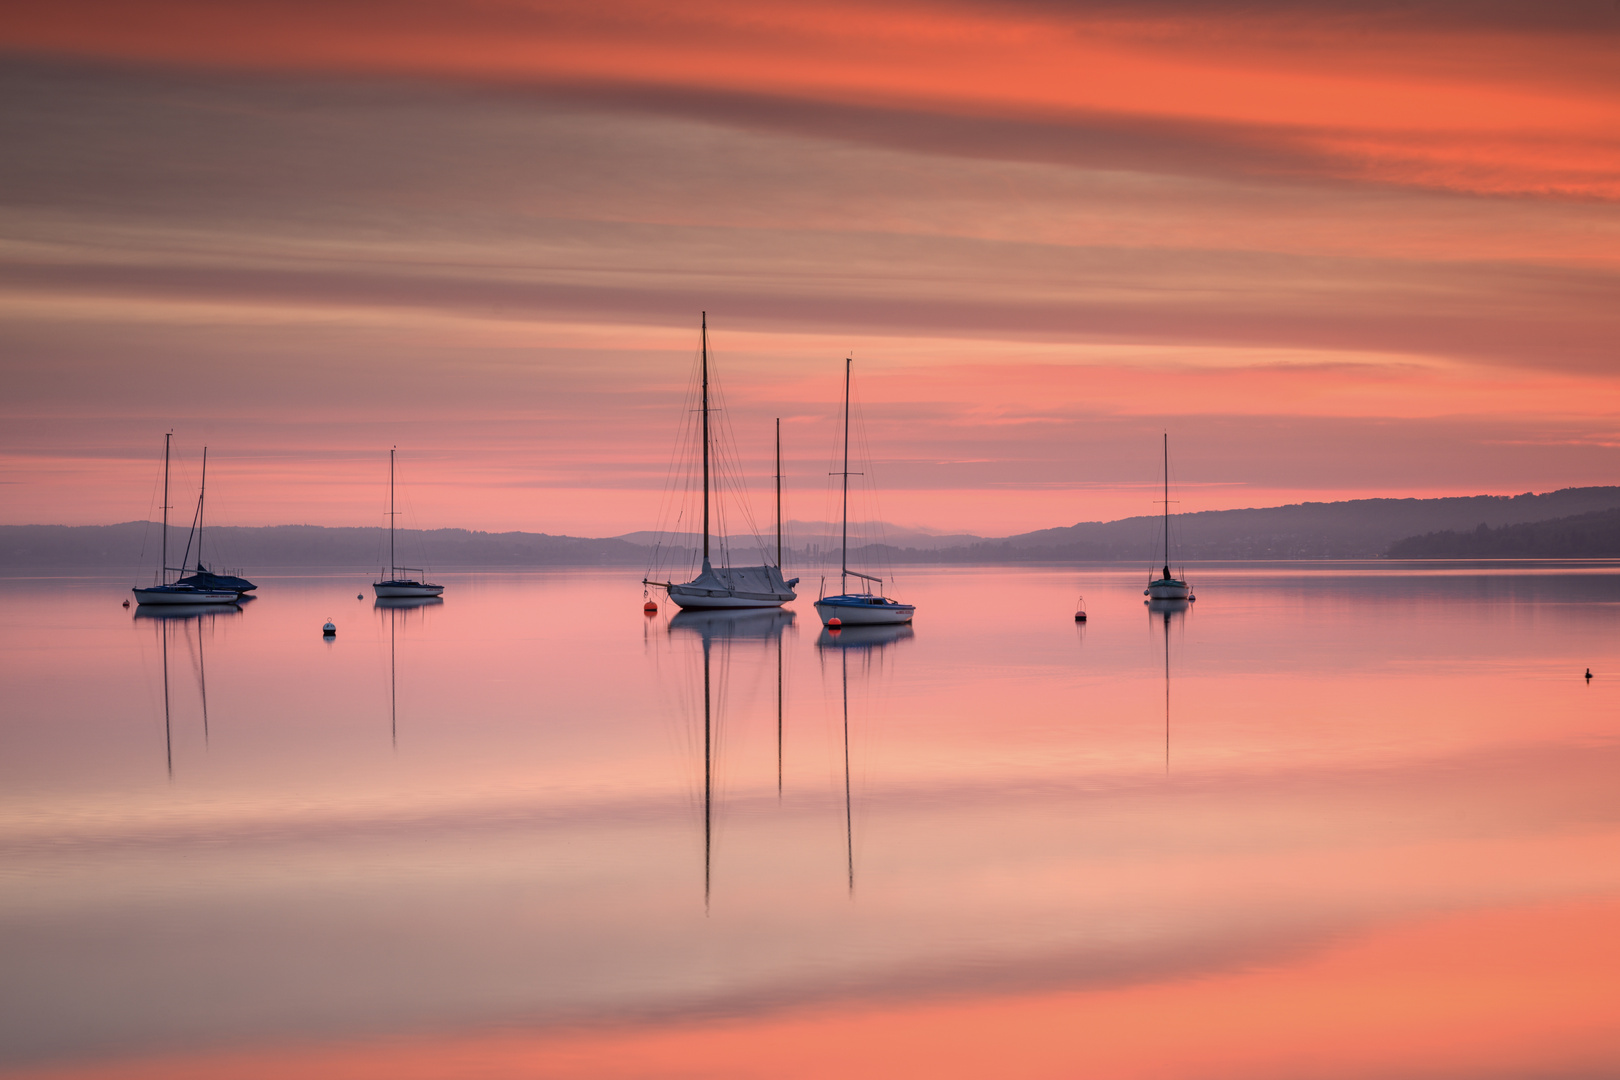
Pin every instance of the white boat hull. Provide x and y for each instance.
(394, 588)
(691, 599)
(167, 596)
(1167, 590)
(866, 615)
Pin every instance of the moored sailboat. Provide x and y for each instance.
(204, 578)
(397, 583)
(857, 608)
(1167, 586)
(724, 586)
(165, 591)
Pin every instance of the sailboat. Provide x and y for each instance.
(397, 584)
(860, 608)
(1167, 587)
(205, 578)
(166, 592)
(730, 586)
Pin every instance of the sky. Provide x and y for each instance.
(1333, 253)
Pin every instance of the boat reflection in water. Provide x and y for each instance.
(399, 609)
(1164, 611)
(189, 620)
(867, 642)
(726, 628)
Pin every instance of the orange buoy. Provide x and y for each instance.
(650, 608)
(1079, 616)
(834, 623)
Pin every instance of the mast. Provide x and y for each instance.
(202, 493)
(779, 493)
(393, 568)
(843, 556)
(163, 578)
(1167, 504)
(705, 438)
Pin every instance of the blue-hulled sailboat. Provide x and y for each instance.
(857, 608)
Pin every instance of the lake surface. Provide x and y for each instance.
(1331, 820)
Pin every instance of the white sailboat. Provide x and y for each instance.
(165, 592)
(398, 583)
(857, 608)
(1166, 586)
(718, 587)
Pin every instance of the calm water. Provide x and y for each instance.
(1331, 821)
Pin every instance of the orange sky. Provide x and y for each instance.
(1335, 254)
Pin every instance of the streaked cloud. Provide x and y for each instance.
(1042, 230)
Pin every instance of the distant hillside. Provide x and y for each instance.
(1583, 536)
(134, 545)
(1361, 528)
(1358, 528)
(821, 536)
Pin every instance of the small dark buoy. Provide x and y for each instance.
(1079, 616)
(329, 630)
(1588, 670)
(359, 596)
(650, 608)
(126, 604)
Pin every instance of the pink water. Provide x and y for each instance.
(1364, 823)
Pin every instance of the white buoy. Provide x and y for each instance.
(329, 630)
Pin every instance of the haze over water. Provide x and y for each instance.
(1331, 821)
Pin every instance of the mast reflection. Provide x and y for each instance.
(189, 620)
(399, 609)
(867, 642)
(725, 628)
(1164, 611)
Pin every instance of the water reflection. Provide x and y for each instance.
(1164, 611)
(867, 642)
(399, 610)
(189, 620)
(1399, 789)
(726, 628)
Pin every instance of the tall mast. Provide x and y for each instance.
(163, 579)
(392, 566)
(1167, 504)
(202, 493)
(843, 557)
(779, 493)
(705, 436)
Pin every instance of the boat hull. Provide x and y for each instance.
(406, 588)
(169, 595)
(862, 611)
(1171, 589)
(690, 599)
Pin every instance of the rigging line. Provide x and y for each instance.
(670, 502)
(676, 498)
